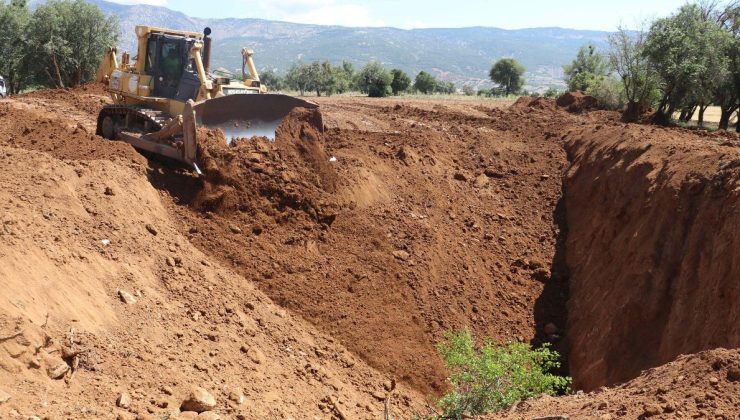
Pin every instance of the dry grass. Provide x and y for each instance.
(712, 115)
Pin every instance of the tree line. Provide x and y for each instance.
(324, 78)
(373, 79)
(681, 64)
(59, 44)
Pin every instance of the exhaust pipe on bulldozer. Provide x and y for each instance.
(207, 49)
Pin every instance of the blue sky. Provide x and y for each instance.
(577, 14)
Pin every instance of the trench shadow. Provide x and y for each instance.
(181, 183)
(551, 305)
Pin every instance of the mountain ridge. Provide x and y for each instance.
(461, 55)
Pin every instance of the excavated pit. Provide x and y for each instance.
(387, 239)
(406, 219)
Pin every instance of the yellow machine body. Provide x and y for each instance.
(167, 91)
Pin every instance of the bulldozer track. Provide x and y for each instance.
(152, 120)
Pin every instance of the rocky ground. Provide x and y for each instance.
(705, 385)
(305, 278)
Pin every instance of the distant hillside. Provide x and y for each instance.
(460, 55)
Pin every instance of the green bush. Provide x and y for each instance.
(552, 93)
(609, 92)
(493, 378)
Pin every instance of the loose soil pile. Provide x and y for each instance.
(577, 102)
(260, 177)
(703, 385)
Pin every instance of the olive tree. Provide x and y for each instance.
(401, 81)
(632, 67)
(588, 68)
(67, 40)
(425, 83)
(14, 20)
(272, 80)
(508, 73)
(374, 80)
(300, 77)
(687, 52)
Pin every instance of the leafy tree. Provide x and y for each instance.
(401, 81)
(687, 52)
(628, 60)
(425, 83)
(492, 378)
(14, 19)
(508, 73)
(445, 87)
(345, 75)
(374, 80)
(727, 92)
(67, 40)
(586, 69)
(300, 77)
(272, 80)
(326, 78)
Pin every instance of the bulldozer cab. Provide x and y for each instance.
(168, 62)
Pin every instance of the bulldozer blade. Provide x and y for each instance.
(247, 115)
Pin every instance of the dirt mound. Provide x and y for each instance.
(534, 102)
(577, 102)
(704, 385)
(661, 242)
(103, 297)
(61, 123)
(66, 139)
(292, 174)
(87, 98)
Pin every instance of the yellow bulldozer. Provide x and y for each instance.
(167, 91)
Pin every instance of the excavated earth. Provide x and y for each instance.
(310, 277)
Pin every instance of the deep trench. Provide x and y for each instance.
(550, 306)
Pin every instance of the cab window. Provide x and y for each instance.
(171, 63)
(151, 52)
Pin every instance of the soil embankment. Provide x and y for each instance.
(108, 310)
(653, 248)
